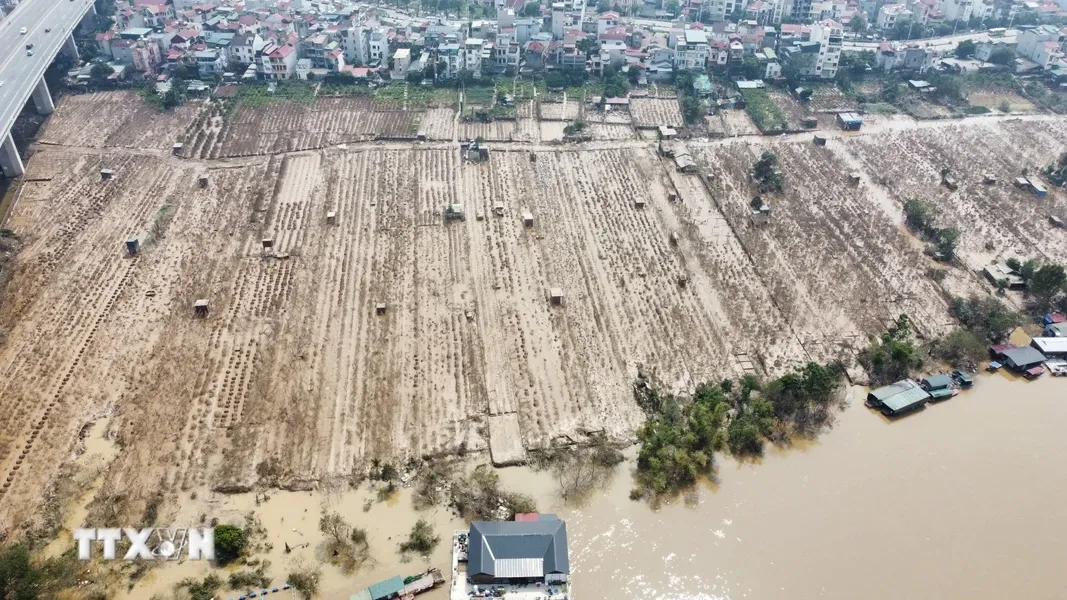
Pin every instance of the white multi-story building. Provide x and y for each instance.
(377, 46)
(690, 50)
(401, 63)
(507, 52)
(958, 9)
(559, 20)
(891, 14)
(244, 46)
(829, 35)
(1039, 44)
(277, 62)
(356, 48)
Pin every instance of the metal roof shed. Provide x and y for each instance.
(1052, 347)
(517, 549)
(907, 400)
(390, 588)
(1021, 359)
(937, 382)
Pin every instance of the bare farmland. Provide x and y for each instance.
(653, 112)
(114, 119)
(296, 376)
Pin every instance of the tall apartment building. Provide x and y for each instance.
(829, 35)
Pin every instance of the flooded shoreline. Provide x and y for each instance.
(957, 500)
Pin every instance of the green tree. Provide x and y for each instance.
(985, 316)
(1002, 56)
(633, 74)
(531, 9)
(751, 68)
(965, 49)
(100, 71)
(919, 214)
(230, 542)
(672, 7)
(962, 348)
(947, 241)
(744, 437)
(422, 539)
(858, 23)
(692, 109)
(587, 45)
(603, 6)
(1047, 281)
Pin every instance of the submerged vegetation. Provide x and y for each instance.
(681, 436)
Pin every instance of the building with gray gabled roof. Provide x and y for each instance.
(518, 552)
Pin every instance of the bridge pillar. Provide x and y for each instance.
(70, 48)
(9, 158)
(42, 99)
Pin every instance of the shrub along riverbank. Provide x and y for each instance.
(682, 434)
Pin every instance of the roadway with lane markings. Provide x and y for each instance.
(21, 73)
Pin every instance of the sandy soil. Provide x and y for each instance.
(994, 100)
(653, 112)
(293, 380)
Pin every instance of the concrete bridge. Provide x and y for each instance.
(22, 76)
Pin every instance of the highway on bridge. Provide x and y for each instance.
(20, 74)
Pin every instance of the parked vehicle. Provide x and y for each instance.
(29, 53)
(22, 31)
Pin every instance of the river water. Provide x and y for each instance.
(965, 499)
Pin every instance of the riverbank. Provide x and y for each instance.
(959, 497)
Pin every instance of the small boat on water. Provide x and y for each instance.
(962, 379)
(993, 367)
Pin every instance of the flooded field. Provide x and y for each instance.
(959, 500)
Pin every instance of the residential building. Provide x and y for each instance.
(527, 553)
(526, 29)
(891, 14)
(1040, 44)
(211, 62)
(958, 9)
(559, 20)
(768, 60)
(690, 50)
(355, 43)
(401, 62)
(244, 46)
(829, 36)
(377, 46)
(606, 21)
(896, 56)
(506, 53)
(277, 61)
(983, 50)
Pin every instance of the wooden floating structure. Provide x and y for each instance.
(200, 308)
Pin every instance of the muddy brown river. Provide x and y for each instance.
(965, 499)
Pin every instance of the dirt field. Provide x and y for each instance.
(114, 119)
(994, 101)
(294, 378)
(653, 112)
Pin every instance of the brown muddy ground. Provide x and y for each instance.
(293, 379)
